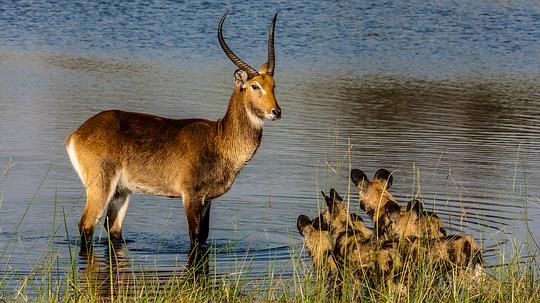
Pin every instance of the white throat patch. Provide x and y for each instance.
(255, 121)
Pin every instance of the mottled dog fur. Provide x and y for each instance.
(318, 244)
(390, 220)
(339, 242)
(456, 252)
(355, 247)
(421, 234)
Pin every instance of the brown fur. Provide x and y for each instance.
(390, 220)
(117, 153)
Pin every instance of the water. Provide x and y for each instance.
(444, 91)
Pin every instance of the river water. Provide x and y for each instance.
(445, 94)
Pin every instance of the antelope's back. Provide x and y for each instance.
(116, 133)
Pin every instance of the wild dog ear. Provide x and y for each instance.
(335, 195)
(392, 210)
(358, 176)
(384, 176)
(329, 201)
(240, 78)
(302, 222)
(320, 223)
(326, 198)
(416, 206)
(356, 218)
(316, 223)
(442, 230)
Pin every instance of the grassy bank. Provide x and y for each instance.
(113, 277)
(515, 281)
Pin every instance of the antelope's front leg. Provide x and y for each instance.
(198, 217)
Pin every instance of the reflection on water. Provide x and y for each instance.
(111, 272)
(435, 96)
(106, 274)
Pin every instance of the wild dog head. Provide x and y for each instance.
(428, 223)
(412, 221)
(317, 242)
(337, 218)
(374, 193)
(390, 219)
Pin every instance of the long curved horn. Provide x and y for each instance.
(271, 52)
(234, 58)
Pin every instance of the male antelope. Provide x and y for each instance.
(116, 153)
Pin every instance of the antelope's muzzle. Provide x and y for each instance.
(276, 114)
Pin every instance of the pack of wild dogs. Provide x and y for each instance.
(402, 238)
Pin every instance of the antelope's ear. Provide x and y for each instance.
(416, 206)
(302, 222)
(384, 176)
(240, 78)
(358, 176)
(392, 210)
(264, 69)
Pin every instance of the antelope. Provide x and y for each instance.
(117, 153)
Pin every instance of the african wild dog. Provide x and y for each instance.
(456, 252)
(318, 244)
(355, 248)
(421, 233)
(337, 217)
(390, 220)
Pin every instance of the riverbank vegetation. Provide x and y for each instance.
(113, 277)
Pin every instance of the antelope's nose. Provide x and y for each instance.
(277, 113)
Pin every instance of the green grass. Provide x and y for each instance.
(512, 278)
(517, 280)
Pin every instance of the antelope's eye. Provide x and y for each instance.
(255, 87)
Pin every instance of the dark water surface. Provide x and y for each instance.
(445, 94)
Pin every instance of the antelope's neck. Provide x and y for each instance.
(239, 131)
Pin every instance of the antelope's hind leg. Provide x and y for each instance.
(116, 212)
(99, 191)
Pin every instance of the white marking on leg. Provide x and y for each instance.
(112, 190)
(73, 158)
(120, 208)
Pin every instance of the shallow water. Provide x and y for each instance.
(447, 92)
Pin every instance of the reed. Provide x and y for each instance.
(511, 277)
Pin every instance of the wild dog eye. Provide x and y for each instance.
(255, 87)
